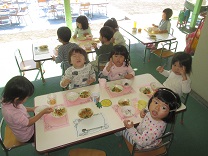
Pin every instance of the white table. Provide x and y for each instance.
(50, 140)
(143, 36)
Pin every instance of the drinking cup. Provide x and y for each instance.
(139, 30)
(95, 97)
(102, 82)
(51, 99)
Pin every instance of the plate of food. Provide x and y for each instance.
(152, 36)
(128, 111)
(43, 47)
(116, 88)
(84, 94)
(106, 103)
(146, 90)
(59, 111)
(85, 113)
(124, 102)
(72, 96)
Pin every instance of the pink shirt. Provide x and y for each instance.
(17, 119)
(116, 73)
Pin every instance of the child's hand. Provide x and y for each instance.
(90, 81)
(47, 110)
(128, 124)
(160, 69)
(182, 71)
(128, 76)
(65, 82)
(110, 64)
(53, 58)
(94, 45)
(154, 25)
(143, 113)
(75, 36)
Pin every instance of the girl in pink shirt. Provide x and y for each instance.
(119, 65)
(162, 106)
(15, 94)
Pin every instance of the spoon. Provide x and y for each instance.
(87, 130)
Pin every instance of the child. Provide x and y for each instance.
(117, 37)
(178, 77)
(83, 28)
(81, 73)
(162, 106)
(106, 33)
(164, 25)
(118, 67)
(15, 94)
(64, 35)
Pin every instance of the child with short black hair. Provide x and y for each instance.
(64, 36)
(16, 92)
(106, 33)
(178, 78)
(81, 73)
(82, 28)
(117, 38)
(161, 110)
(119, 65)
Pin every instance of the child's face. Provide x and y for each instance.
(163, 16)
(176, 68)
(77, 60)
(79, 25)
(158, 109)
(118, 60)
(101, 39)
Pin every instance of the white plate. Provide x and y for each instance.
(40, 108)
(116, 88)
(146, 90)
(128, 111)
(84, 94)
(59, 111)
(72, 96)
(123, 102)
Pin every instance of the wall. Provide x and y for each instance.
(199, 75)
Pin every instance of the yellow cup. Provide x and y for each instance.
(142, 104)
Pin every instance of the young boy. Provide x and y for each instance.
(64, 35)
(106, 33)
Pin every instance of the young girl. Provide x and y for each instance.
(118, 38)
(118, 67)
(15, 94)
(178, 78)
(83, 28)
(81, 73)
(164, 25)
(162, 106)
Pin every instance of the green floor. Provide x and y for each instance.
(190, 139)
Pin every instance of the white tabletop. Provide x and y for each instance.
(68, 135)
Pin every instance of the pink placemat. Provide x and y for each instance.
(76, 102)
(126, 90)
(118, 111)
(51, 123)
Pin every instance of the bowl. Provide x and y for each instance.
(72, 96)
(85, 113)
(43, 47)
(134, 29)
(116, 88)
(124, 102)
(142, 104)
(146, 90)
(128, 111)
(59, 111)
(126, 82)
(84, 94)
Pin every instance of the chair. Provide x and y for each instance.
(85, 7)
(102, 60)
(167, 50)
(26, 65)
(86, 152)
(161, 149)
(128, 43)
(9, 141)
(184, 99)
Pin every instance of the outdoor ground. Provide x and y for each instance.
(130, 8)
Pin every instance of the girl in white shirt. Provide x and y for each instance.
(178, 78)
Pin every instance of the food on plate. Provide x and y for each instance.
(106, 103)
(84, 94)
(43, 47)
(72, 96)
(123, 102)
(146, 90)
(117, 88)
(59, 111)
(152, 36)
(85, 113)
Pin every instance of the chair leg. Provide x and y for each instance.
(182, 118)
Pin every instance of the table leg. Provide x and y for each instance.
(145, 51)
(41, 72)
